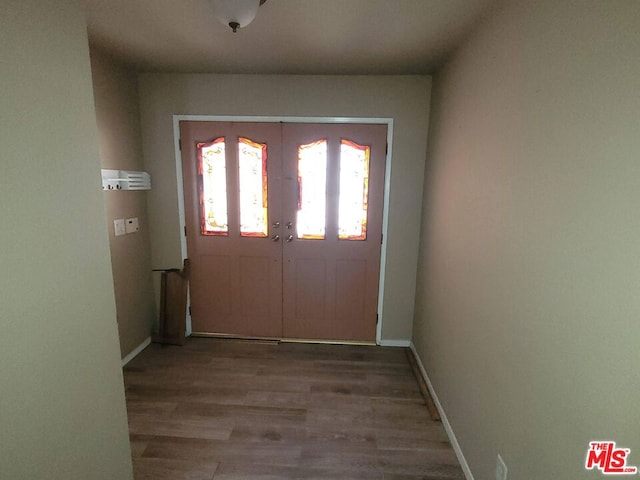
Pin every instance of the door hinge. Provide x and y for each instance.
(386, 149)
(189, 310)
(377, 318)
(185, 230)
(381, 238)
(180, 144)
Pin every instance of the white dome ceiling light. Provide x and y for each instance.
(236, 13)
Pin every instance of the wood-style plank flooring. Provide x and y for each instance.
(230, 410)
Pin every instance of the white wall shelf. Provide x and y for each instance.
(125, 180)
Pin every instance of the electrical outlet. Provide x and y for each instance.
(132, 225)
(501, 469)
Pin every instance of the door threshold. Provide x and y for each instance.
(240, 338)
(246, 338)
(328, 342)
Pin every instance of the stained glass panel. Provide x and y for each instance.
(312, 187)
(354, 191)
(212, 175)
(252, 172)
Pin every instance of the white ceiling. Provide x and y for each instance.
(287, 36)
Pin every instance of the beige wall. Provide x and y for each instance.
(405, 99)
(118, 118)
(62, 412)
(528, 301)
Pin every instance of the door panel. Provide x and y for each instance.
(330, 284)
(212, 273)
(313, 280)
(310, 288)
(351, 276)
(236, 286)
(253, 272)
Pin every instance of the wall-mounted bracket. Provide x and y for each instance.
(125, 180)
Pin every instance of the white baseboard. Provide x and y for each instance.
(395, 343)
(445, 422)
(136, 351)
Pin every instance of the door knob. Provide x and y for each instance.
(289, 238)
(289, 225)
(275, 238)
(276, 225)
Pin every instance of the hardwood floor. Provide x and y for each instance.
(230, 410)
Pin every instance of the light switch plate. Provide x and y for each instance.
(132, 225)
(119, 227)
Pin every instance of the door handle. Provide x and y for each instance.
(289, 225)
(289, 238)
(275, 238)
(276, 225)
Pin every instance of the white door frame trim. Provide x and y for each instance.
(284, 119)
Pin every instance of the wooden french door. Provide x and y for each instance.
(284, 228)
(236, 279)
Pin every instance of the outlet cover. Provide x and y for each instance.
(501, 469)
(119, 227)
(132, 225)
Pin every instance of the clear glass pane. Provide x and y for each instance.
(252, 171)
(354, 191)
(312, 187)
(212, 172)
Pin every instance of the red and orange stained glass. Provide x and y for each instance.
(312, 187)
(354, 191)
(212, 187)
(253, 181)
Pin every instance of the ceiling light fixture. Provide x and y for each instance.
(236, 13)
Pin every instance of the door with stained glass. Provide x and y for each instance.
(284, 228)
(232, 192)
(333, 195)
